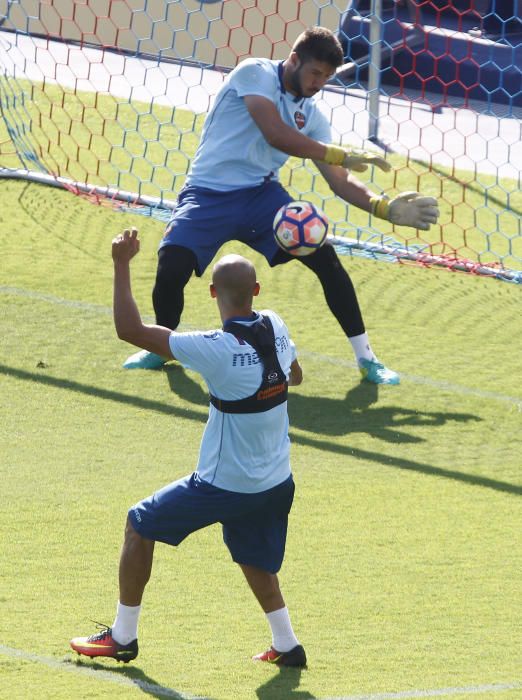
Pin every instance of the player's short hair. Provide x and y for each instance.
(319, 44)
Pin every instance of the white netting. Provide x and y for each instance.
(107, 97)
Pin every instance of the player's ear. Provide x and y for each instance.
(257, 288)
(294, 61)
(213, 292)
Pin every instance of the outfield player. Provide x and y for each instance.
(243, 478)
(265, 112)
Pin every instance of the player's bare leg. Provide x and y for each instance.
(135, 566)
(285, 649)
(121, 640)
(265, 587)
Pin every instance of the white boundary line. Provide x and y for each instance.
(98, 674)
(162, 691)
(442, 385)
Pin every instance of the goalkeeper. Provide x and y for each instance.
(265, 112)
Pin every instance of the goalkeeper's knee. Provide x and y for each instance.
(338, 288)
(322, 260)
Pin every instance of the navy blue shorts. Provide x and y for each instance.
(254, 524)
(203, 220)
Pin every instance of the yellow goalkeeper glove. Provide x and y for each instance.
(354, 159)
(407, 209)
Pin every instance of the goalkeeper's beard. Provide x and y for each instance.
(296, 86)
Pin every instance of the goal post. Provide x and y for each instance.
(106, 98)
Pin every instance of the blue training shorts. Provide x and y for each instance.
(203, 220)
(254, 524)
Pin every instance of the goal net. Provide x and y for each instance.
(106, 98)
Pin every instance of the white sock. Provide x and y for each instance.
(283, 637)
(361, 347)
(125, 625)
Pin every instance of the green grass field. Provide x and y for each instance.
(403, 565)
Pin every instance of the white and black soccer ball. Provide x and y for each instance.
(300, 228)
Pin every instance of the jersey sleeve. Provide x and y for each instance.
(199, 351)
(252, 77)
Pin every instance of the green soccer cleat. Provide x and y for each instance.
(295, 658)
(102, 644)
(144, 360)
(376, 373)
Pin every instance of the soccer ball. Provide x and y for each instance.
(300, 228)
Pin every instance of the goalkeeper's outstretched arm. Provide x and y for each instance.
(336, 163)
(406, 209)
(291, 141)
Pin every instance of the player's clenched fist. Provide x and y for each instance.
(126, 245)
(407, 209)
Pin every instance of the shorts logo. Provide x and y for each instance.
(272, 377)
(137, 514)
(299, 119)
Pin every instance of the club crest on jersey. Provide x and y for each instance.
(299, 119)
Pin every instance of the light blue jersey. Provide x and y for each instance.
(232, 152)
(247, 452)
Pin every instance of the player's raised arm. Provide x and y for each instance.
(127, 319)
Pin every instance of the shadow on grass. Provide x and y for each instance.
(409, 465)
(284, 686)
(357, 414)
(335, 414)
(134, 676)
(106, 394)
(353, 414)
